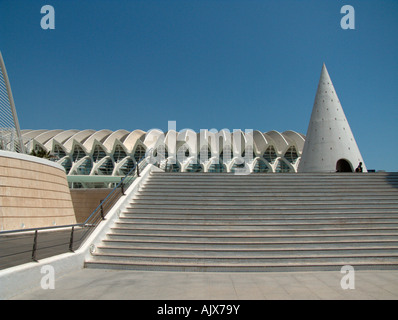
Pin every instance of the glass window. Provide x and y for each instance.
(282, 167)
(291, 155)
(106, 168)
(67, 164)
(270, 154)
(85, 167)
(119, 153)
(194, 167)
(98, 153)
(260, 167)
(78, 153)
(127, 166)
(59, 153)
(217, 167)
(139, 153)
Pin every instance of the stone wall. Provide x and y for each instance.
(85, 201)
(33, 193)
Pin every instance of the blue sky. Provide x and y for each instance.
(234, 64)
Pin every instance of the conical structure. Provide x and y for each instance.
(329, 145)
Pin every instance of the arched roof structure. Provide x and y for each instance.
(107, 152)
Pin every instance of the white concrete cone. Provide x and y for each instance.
(329, 145)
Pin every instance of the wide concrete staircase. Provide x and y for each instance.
(258, 222)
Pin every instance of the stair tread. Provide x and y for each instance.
(219, 221)
(176, 263)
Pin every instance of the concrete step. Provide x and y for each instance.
(265, 222)
(232, 246)
(263, 189)
(276, 176)
(252, 209)
(282, 267)
(266, 196)
(245, 216)
(277, 181)
(264, 266)
(235, 244)
(233, 211)
(264, 203)
(144, 221)
(266, 258)
(271, 231)
(254, 227)
(247, 253)
(345, 236)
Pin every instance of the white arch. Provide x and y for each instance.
(100, 136)
(61, 137)
(116, 135)
(257, 159)
(45, 136)
(130, 140)
(76, 165)
(153, 138)
(297, 139)
(279, 140)
(78, 137)
(260, 142)
(96, 166)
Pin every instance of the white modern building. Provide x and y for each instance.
(94, 158)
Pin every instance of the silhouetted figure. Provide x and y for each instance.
(359, 168)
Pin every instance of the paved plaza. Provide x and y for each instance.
(149, 285)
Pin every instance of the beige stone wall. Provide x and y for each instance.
(33, 193)
(85, 201)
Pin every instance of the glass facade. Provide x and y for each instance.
(106, 168)
(119, 153)
(282, 167)
(217, 167)
(139, 154)
(85, 167)
(58, 152)
(270, 154)
(127, 166)
(194, 167)
(79, 157)
(98, 153)
(78, 153)
(291, 155)
(260, 167)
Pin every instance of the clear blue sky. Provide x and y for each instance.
(204, 63)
